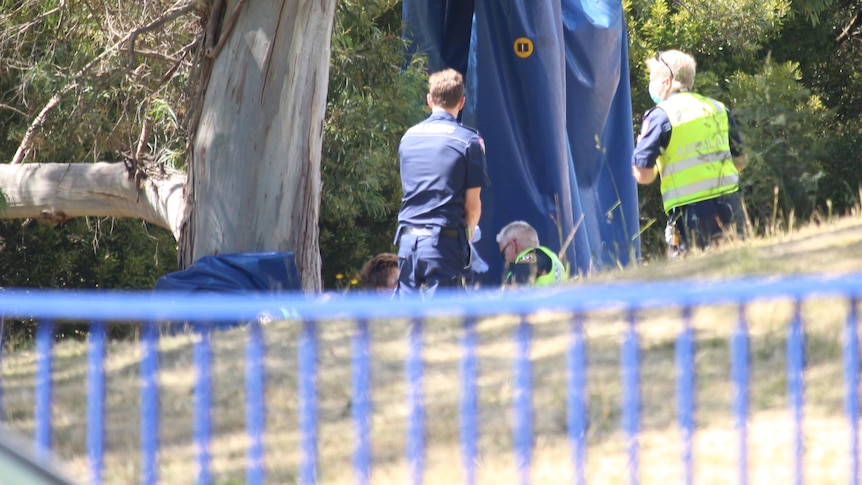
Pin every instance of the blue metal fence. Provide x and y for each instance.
(311, 311)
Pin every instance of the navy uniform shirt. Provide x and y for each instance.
(440, 160)
(655, 136)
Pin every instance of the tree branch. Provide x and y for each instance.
(12, 108)
(846, 33)
(26, 142)
(21, 28)
(55, 192)
(156, 24)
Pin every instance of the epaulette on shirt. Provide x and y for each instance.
(474, 130)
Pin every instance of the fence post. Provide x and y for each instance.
(149, 403)
(577, 397)
(203, 401)
(255, 402)
(631, 395)
(415, 405)
(469, 400)
(523, 432)
(795, 385)
(308, 402)
(739, 374)
(361, 410)
(685, 393)
(851, 384)
(96, 400)
(2, 344)
(44, 386)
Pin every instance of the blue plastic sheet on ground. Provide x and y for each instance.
(548, 89)
(235, 273)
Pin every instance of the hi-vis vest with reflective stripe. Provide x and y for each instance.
(558, 272)
(697, 164)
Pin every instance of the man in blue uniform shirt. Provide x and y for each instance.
(442, 174)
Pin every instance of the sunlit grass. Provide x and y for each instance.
(830, 248)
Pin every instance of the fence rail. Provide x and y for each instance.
(207, 313)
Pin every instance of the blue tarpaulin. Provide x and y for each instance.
(235, 273)
(548, 89)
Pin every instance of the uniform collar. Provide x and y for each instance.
(441, 115)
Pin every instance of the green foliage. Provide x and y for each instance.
(83, 253)
(702, 26)
(69, 50)
(791, 72)
(811, 10)
(785, 128)
(839, 189)
(374, 95)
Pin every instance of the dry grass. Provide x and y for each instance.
(833, 247)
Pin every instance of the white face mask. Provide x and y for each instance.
(654, 90)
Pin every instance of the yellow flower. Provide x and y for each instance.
(339, 276)
(354, 281)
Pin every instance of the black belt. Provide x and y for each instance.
(428, 231)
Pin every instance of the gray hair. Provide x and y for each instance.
(521, 231)
(678, 65)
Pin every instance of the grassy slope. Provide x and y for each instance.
(832, 247)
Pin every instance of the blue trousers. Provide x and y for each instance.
(703, 222)
(426, 263)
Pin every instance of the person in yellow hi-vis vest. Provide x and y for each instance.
(693, 143)
(527, 262)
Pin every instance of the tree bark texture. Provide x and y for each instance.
(55, 192)
(254, 177)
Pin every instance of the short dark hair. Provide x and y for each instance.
(375, 271)
(446, 88)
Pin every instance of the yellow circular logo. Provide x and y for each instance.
(523, 47)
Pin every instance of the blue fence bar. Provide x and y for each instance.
(576, 365)
(361, 409)
(469, 413)
(685, 394)
(44, 386)
(851, 384)
(523, 402)
(2, 346)
(308, 403)
(255, 399)
(96, 401)
(149, 403)
(415, 404)
(795, 385)
(739, 346)
(629, 365)
(203, 403)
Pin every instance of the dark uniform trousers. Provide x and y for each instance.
(428, 262)
(706, 221)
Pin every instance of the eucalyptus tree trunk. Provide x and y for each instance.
(254, 176)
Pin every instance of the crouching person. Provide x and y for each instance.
(527, 262)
